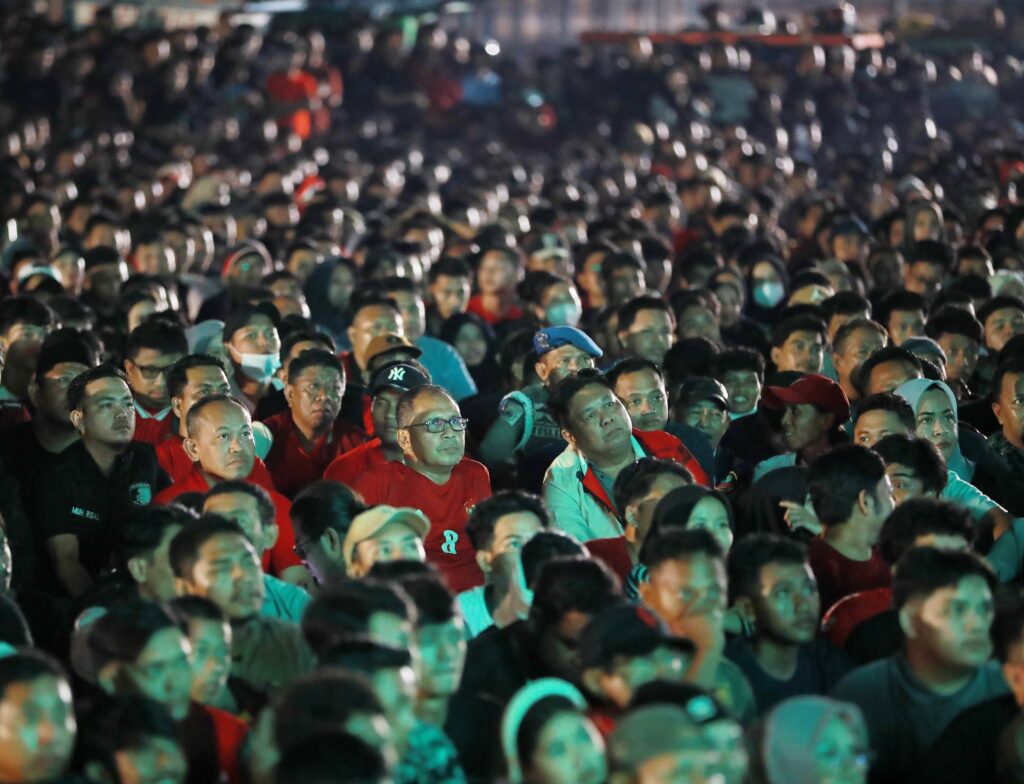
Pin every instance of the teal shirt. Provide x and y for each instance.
(283, 600)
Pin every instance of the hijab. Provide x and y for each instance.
(912, 391)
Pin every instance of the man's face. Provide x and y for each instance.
(961, 355)
(222, 442)
(442, 648)
(154, 760)
(651, 334)
(802, 351)
(643, 394)
(51, 401)
(227, 573)
(889, 375)
(211, 658)
(625, 284)
(441, 450)
(848, 247)
(744, 388)
(163, 671)
(396, 541)
(562, 362)
(512, 531)
(1001, 325)
(450, 294)
(155, 259)
(859, 346)
(104, 282)
(383, 410)
(1009, 407)
(201, 382)
(936, 421)
(905, 324)
(569, 751)
(37, 729)
(698, 321)
(157, 577)
(558, 645)
(243, 510)
(108, 413)
(952, 624)
(372, 322)
(259, 336)
(803, 425)
(147, 376)
(396, 690)
(314, 397)
(414, 314)
(884, 503)
(709, 418)
(682, 589)
(923, 278)
(599, 422)
(905, 483)
(787, 607)
(872, 426)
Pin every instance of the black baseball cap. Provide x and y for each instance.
(398, 375)
(243, 314)
(698, 388)
(625, 630)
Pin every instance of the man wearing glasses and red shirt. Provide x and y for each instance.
(436, 478)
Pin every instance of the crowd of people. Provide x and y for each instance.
(378, 407)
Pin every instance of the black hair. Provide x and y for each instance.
(25, 310)
(434, 603)
(635, 480)
(139, 534)
(159, 335)
(324, 699)
(846, 303)
(264, 503)
(321, 505)
(885, 354)
(449, 267)
(314, 357)
(900, 300)
(836, 479)
(485, 515)
(1000, 302)
(974, 286)
(571, 584)
(565, 390)
(65, 345)
(918, 517)
(695, 297)
(628, 311)
(123, 632)
(370, 298)
(1012, 366)
(364, 657)
(797, 323)
(119, 723)
(532, 287)
(887, 401)
(184, 550)
(544, 547)
(177, 376)
(953, 321)
(192, 418)
(845, 332)
(27, 666)
(679, 544)
(693, 356)
(632, 365)
(733, 359)
(752, 553)
(401, 569)
(190, 608)
(533, 723)
(336, 757)
(923, 570)
(918, 454)
(76, 389)
(932, 252)
(343, 612)
(1008, 625)
(289, 341)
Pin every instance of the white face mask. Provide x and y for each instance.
(258, 367)
(769, 293)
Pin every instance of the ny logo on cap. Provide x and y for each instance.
(396, 374)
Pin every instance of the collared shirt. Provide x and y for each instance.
(350, 466)
(152, 427)
(291, 465)
(283, 600)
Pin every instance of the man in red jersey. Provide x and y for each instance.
(310, 434)
(387, 386)
(436, 478)
(153, 347)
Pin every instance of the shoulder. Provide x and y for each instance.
(470, 468)
(278, 422)
(864, 681)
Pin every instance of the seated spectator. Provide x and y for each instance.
(190, 379)
(771, 582)
(384, 533)
(637, 491)
(310, 434)
(498, 527)
(543, 713)
(814, 409)
(209, 636)
(579, 484)
(741, 372)
(854, 342)
(435, 477)
(141, 548)
(386, 387)
(798, 344)
(153, 347)
(1001, 318)
(1008, 407)
(881, 415)
(322, 514)
(699, 314)
(945, 606)
(886, 369)
(100, 479)
(852, 497)
(903, 314)
(498, 271)
(703, 403)
(646, 328)
(372, 317)
(24, 325)
(959, 335)
(254, 346)
(449, 283)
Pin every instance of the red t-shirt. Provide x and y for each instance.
(476, 305)
(150, 430)
(447, 507)
(839, 576)
(291, 465)
(176, 463)
(350, 466)
(295, 87)
(277, 558)
(230, 732)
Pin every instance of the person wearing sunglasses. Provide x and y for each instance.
(435, 477)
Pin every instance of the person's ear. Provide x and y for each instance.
(776, 353)
(108, 676)
(865, 503)
(593, 680)
(403, 440)
(632, 524)
(270, 534)
(569, 438)
(191, 449)
(351, 332)
(176, 407)
(138, 569)
(289, 393)
(182, 587)
(997, 409)
(483, 560)
(330, 542)
(33, 392)
(1014, 675)
(906, 616)
(541, 370)
(76, 420)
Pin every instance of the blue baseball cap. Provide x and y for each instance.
(550, 338)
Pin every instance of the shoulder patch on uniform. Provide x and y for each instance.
(511, 411)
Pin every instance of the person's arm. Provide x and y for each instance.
(1008, 552)
(566, 512)
(64, 554)
(499, 445)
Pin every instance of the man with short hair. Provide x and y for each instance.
(373, 315)
(97, 481)
(1008, 407)
(928, 263)
(1001, 318)
(142, 546)
(852, 497)
(771, 583)
(384, 533)
(885, 370)
(435, 477)
(854, 342)
(37, 719)
(703, 404)
(959, 335)
(699, 314)
(254, 346)
(646, 328)
(450, 284)
(190, 379)
(24, 324)
(903, 315)
(741, 372)
(579, 484)
(881, 415)
(153, 347)
(637, 491)
(321, 514)
(945, 606)
(311, 434)
(798, 344)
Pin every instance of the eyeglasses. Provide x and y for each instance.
(152, 372)
(456, 423)
(299, 548)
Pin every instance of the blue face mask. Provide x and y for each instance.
(769, 293)
(258, 367)
(563, 314)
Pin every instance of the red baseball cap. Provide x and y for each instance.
(814, 389)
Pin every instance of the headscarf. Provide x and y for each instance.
(792, 730)
(486, 375)
(323, 313)
(912, 391)
(520, 705)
